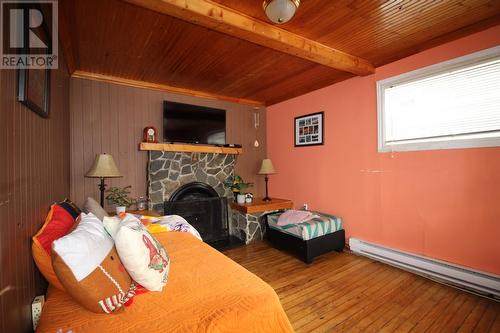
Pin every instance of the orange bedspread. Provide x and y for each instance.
(206, 292)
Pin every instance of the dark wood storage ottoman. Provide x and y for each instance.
(307, 240)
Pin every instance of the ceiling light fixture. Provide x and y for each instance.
(280, 11)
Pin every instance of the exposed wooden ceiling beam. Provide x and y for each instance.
(161, 87)
(234, 23)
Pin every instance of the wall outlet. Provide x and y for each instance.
(36, 310)
(305, 206)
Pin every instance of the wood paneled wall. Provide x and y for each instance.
(110, 118)
(34, 172)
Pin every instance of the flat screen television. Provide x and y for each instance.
(188, 123)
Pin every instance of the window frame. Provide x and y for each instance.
(445, 142)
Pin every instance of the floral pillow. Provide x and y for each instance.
(145, 259)
(178, 223)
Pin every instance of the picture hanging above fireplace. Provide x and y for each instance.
(186, 123)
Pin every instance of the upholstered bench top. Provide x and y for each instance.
(319, 225)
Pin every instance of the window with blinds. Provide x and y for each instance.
(454, 104)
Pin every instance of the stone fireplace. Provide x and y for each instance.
(191, 185)
(169, 171)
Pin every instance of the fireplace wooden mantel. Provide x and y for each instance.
(177, 147)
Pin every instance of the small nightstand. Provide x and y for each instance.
(259, 205)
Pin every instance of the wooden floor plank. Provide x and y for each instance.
(488, 318)
(316, 310)
(342, 292)
(315, 290)
(427, 291)
(428, 311)
(356, 304)
(471, 321)
(377, 314)
(448, 314)
(458, 318)
(495, 328)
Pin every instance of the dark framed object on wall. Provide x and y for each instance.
(34, 90)
(309, 130)
(34, 83)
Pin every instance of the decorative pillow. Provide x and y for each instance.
(178, 223)
(70, 207)
(143, 256)
(90, 269)
(92, 206)
(57, 224)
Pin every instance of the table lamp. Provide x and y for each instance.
(103, 167)
(267, 169)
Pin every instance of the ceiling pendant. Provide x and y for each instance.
(280, 11)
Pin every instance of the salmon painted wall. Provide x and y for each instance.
(443, 204)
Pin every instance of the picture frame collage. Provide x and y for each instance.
(309, 129)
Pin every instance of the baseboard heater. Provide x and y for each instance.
(457, 276)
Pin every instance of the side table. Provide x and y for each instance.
(246, 221)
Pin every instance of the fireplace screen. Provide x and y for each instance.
(207, 215)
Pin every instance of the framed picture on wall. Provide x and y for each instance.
(309, 130)
(34, 80)
(34, 90)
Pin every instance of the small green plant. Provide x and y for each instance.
(237, 184)
(120, 196)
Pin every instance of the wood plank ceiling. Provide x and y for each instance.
(118, 39)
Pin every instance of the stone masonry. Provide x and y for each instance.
(248, 227)
(167, 171)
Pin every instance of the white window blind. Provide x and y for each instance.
(448, 105)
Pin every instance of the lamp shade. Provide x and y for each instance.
(280, 11)
(104, 167)
(267, 167)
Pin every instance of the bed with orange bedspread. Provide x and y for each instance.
(206, 292)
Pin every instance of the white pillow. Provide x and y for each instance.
(143, 256)
(85, 248)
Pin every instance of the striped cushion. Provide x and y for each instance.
(321, 224)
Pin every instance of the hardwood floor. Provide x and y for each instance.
(342, 292)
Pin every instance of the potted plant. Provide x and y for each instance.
(120, 198)
(238, 187)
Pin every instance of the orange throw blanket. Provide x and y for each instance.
(206, 292)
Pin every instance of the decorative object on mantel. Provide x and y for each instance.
(248, 198)
(238, 187)
(150, 135)
(309, 129)
(103, 167)
(267, 169)
(280, 11)
(119, 196)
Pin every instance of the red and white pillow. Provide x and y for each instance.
(58, 223)
(145, 259)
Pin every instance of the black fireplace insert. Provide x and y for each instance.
(205, 210)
